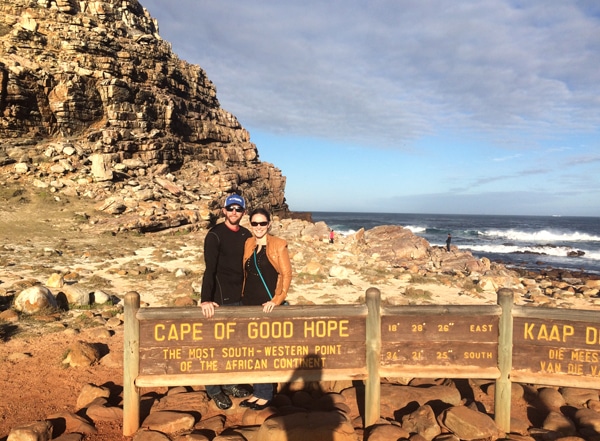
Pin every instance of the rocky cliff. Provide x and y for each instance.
(93, 103)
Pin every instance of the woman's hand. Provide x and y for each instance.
(268, 307)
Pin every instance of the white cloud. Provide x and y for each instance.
(393, 70)
(508, 158)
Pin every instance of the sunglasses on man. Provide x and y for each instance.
(236, 209)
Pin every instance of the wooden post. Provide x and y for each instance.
(373, 357)
(502, 396)
(131, 365)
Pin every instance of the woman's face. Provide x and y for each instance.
(260, 225)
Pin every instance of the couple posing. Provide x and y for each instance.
(243, 268)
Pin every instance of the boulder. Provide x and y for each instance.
(468, 424)
(423, 422)
(386, 432)
(82, 354)
(400, 399)
(76, 294)
(68, 422)
(577, 397)
(557, 422)
(89, 393)
(168, 421)
(395, 243)
(38, 431)
(35, 299)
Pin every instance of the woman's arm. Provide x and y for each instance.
(284, 268)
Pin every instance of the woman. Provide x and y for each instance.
(267, 278)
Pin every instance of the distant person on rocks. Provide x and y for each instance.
(224, 277)
(448, 240)
(331, 235)
(267, 278)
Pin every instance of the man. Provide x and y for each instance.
(223, 278)
(448, 240)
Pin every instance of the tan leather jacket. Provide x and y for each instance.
(277, 253)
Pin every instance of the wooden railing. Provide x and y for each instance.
(503, 342)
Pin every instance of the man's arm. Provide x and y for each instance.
(211, 260)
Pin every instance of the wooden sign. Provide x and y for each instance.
(554, 350)
(244, 339)
(438, 338)
(178, 346)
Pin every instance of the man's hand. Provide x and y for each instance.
(208, 308)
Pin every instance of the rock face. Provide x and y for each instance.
(92, 98)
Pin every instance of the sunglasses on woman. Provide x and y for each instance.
(236, 209)
(256, 224)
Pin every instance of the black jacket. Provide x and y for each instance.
(224, 274)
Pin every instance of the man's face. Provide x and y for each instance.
(233, 214)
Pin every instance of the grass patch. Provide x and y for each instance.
(81, 218)
(301, 300)
(94, 307)
(45, 196)
(470, 285)
(417, 293)
(87, 320)
(375, 275)
(305, 278)
(42, 315)
(342, 282)
(422, 280)
(99, 282)
(180, 232)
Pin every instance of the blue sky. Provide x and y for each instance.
(415, 106)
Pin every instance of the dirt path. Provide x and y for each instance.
(36, 384)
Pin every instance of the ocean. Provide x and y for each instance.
(530, 242)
